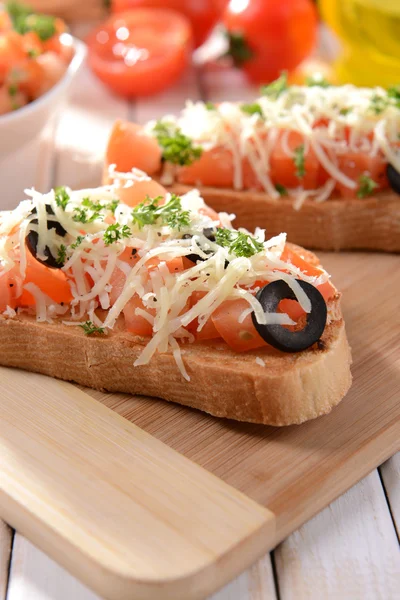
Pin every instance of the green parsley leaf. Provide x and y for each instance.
(24, 19)
(89, 328)
(177, 148)
(317, 80)
(82, 215)
(112, 206)
(62, 254)
(281, 189)
(116, 232)
(275, 89)
(62, 197)
(366, 186)
(299, 161)
(345, 111)
(210, 105)
(33, 53)
(378, 104)
(12, 90)
(394, 94)
(237, 242)
(251, 109)
(171, 213)
(78, 242)
(238, 48)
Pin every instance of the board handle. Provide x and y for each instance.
(119, 509)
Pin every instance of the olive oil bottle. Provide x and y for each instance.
(370, 33)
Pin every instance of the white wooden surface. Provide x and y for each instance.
(350, 550)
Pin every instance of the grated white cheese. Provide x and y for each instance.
(162, 296)
(321, 116)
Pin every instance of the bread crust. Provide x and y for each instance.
(336, 224)
(289, 389)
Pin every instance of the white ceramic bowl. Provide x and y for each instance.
(22, 125)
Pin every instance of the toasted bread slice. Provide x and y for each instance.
(336, 224)
(289, 389)
(260, 386)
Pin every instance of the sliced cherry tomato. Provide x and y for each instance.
(213, 168)
(52, 282)
(140, 52)
(135, 323)
(7, 290)
(132, 195)
(284, 170)
(203, 14)
(268, 36)
(239, 336)
(128, 147)
(355, 165)
(208, 331)
(288, 255)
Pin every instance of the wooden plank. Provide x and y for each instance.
(6, 537)
(390, 472)
(340, 555)
(106, 499)
(257, 583)
(297, 471)
(34, 576)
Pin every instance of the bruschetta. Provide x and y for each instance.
(321, 163)
(130, 288)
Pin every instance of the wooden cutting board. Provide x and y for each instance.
(171, 503)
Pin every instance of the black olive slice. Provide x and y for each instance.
(280, 337)
(394, 178)
(33, 237)
(209, 233)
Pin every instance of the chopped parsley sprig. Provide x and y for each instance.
(238, 242)
(366, 186)
(171, 213)
(177, 148)
(24, 20)
(299, 161)
(282, 191)
(275, 89)
(252, 109)
(62, 197)
(116, 232)
(90, 328)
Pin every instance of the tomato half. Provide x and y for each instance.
(203, 14)
(239, 336)
(127, 148)
(269, 36)
(140, 52)
(52, 282)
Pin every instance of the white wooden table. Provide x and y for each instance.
(350, 550)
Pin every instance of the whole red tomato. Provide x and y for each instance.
(269, 36)
(140, 52)
(203, 14)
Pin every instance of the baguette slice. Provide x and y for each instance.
(289, 389)
(336, 224)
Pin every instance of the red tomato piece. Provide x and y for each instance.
(132, 195)
(208, 331)
(239, 336)
(283, 168)
(128, 147)
(327, 289)
(270, 36)
(135, 323)
(7, 290)
(213, 168)
(140, 52)
(356, 164)
(52, 282)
